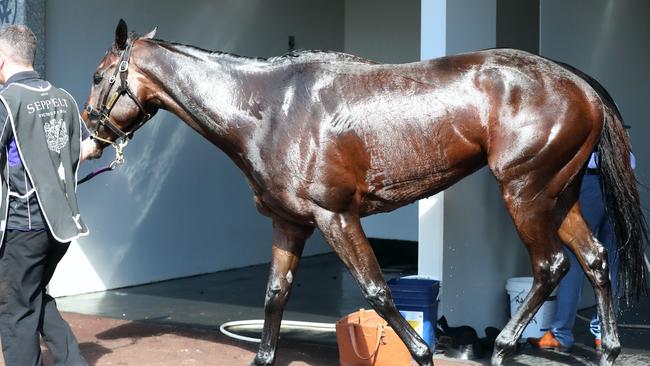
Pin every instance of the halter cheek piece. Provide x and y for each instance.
(102, 114)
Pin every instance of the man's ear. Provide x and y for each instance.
(151, 34)
(121, 35)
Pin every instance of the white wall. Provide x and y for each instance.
(388, 32)
(179, 207)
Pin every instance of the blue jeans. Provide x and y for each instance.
(570, 288)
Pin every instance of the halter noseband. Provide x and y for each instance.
(102, 114)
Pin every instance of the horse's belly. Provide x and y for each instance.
(401, 176)
(399, 193)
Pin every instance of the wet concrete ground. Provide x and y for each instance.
(105, 341)
(323, 292)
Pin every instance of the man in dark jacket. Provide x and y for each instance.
(40, 150)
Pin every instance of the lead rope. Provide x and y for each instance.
(119, 150)
(119, 159)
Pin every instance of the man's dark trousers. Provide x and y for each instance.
(27, 263)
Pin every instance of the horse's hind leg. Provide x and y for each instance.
(345, 235)
(288, 243)
(593, 259)
(538, 230)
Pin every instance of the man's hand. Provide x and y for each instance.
(89, 150)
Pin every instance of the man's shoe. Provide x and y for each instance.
(548, 341)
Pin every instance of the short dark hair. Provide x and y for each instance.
(18, 42)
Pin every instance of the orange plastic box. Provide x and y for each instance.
(365, 339)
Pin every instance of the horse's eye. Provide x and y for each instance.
(97, 78)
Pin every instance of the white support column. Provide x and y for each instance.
(431, 210)
(430, 236)
(433, 29)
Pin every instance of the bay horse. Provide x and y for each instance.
(324, 138)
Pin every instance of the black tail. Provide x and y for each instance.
(620, 189)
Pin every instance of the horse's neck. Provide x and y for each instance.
(209, 94)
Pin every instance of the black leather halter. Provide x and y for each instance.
(102, 114)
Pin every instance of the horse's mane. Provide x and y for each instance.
(289, 57)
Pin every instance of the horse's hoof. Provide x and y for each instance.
(423, 363)
(604, 361)
(608, 360)
(425, 358)
(609, 353)
(502, 350)
(261, 361)
(499, 355)
(428, 362)
(497, 360)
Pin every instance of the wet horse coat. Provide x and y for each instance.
(325, 138)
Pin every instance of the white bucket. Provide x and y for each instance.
(518, 288)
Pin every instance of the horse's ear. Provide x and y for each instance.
(151, 34)
(121, 35)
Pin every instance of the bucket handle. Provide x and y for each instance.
(353, 339)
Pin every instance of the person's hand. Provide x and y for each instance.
(88, 150)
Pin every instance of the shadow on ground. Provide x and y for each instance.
(106, 341)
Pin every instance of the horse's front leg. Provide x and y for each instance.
(288, 243)
(344, 233)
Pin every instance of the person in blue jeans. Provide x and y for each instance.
(569, 290)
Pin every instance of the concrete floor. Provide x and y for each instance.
(109, 342)
(323, 292)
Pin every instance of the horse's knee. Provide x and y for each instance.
(551, 269)
(559, 265)
(597, 263)
(378, 297)
(276, 296)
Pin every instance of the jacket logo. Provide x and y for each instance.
(56, 134)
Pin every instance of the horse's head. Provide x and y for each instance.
(120, 99)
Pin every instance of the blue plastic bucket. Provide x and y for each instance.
(416, 299)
